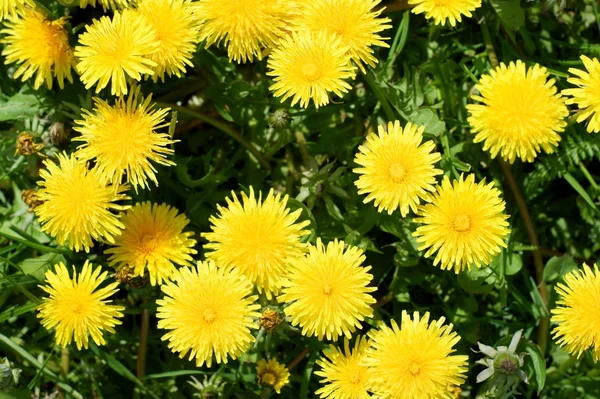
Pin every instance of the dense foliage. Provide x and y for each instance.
(232, 133)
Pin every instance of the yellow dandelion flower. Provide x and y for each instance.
(76, 308)
(272, 373)
(153, 239)
(465, 224)
(443, 11)
(345, 376)
(78, 204)
(111, 49)
(576, 312)
(40, 47)
(12, 8)
(246, 27)
(177, 30)
(586, 95)
(415, 360)
(122, 139)
(397, 168)
(257, 238)
(208, 310)
(521, 113)
(106, 4)
(309, 65)
(327, 291)
(355, 21)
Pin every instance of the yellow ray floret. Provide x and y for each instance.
(356, 22)
(112, 49)
(272, 373)
(521, 114)
(78, 204)
(177, 32)
(587, 94)
(208, 311)
(153, 240)
(122, 139)
(40, 47)
(415, 359)
(345, 374)
(308, 66)
(12, 8)
(77, 308)
(397, 168)
(245, 27)
(106, 4)
(442, 11)
(465, 224)
(576, 312)
(257, 237)
(327, 292)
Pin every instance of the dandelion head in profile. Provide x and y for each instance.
(586, 95)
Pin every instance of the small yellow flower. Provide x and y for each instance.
(111, 49)
(76, 308)
(153, 239)
(40, 47)
(272, 373)
(464, 223)
(309, 65)
(208, 311)
(246, 27)
(106, 4)
(576, 312)
(12, 8)
(397, 168)
(327, 291)
(521, 114)
(177, 30)
(443, 11)
(122, 139)
(78, 204)
(586, 96)
(256, 237)
(345, 374)
(356, 22)
(415, 360)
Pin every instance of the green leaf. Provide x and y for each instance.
(176, 373)
(474, 281)
(19, 106)
(580, 190)
(510, 12)
(116, 365)
(36, 267)
(558, 266)
(16, 311)
(427, 118)
(539, 364)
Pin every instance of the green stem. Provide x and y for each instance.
(141, 358)
(588, 176)
(387, 108)
(225, 128)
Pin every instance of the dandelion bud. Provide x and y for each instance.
(31, 199)
(270, 320)
(279, 119)
(58, 134)
(26, 145)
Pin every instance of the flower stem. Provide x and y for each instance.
(298, 358)
(387, 108)
(538, 262)
(225, 128)
(141, 357)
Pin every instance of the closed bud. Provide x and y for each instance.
(31, 199)
(9, 376)
(270, 320)
(279, 119)
(26, 145)
(58, 134)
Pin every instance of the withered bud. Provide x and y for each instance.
(31, 199)
(270, 319)
(26, 145)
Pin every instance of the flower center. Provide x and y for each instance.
(268, 378)
(209, 316)
(414, 368)
(327, 290)
(461, 223)
(310, 72)
(356, 379)
(397, 173)
(149, 243)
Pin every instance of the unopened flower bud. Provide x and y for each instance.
(9, 376)
(26, 145)
(279, 119)
(31, 199)
(270, 320)
(58, 134)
